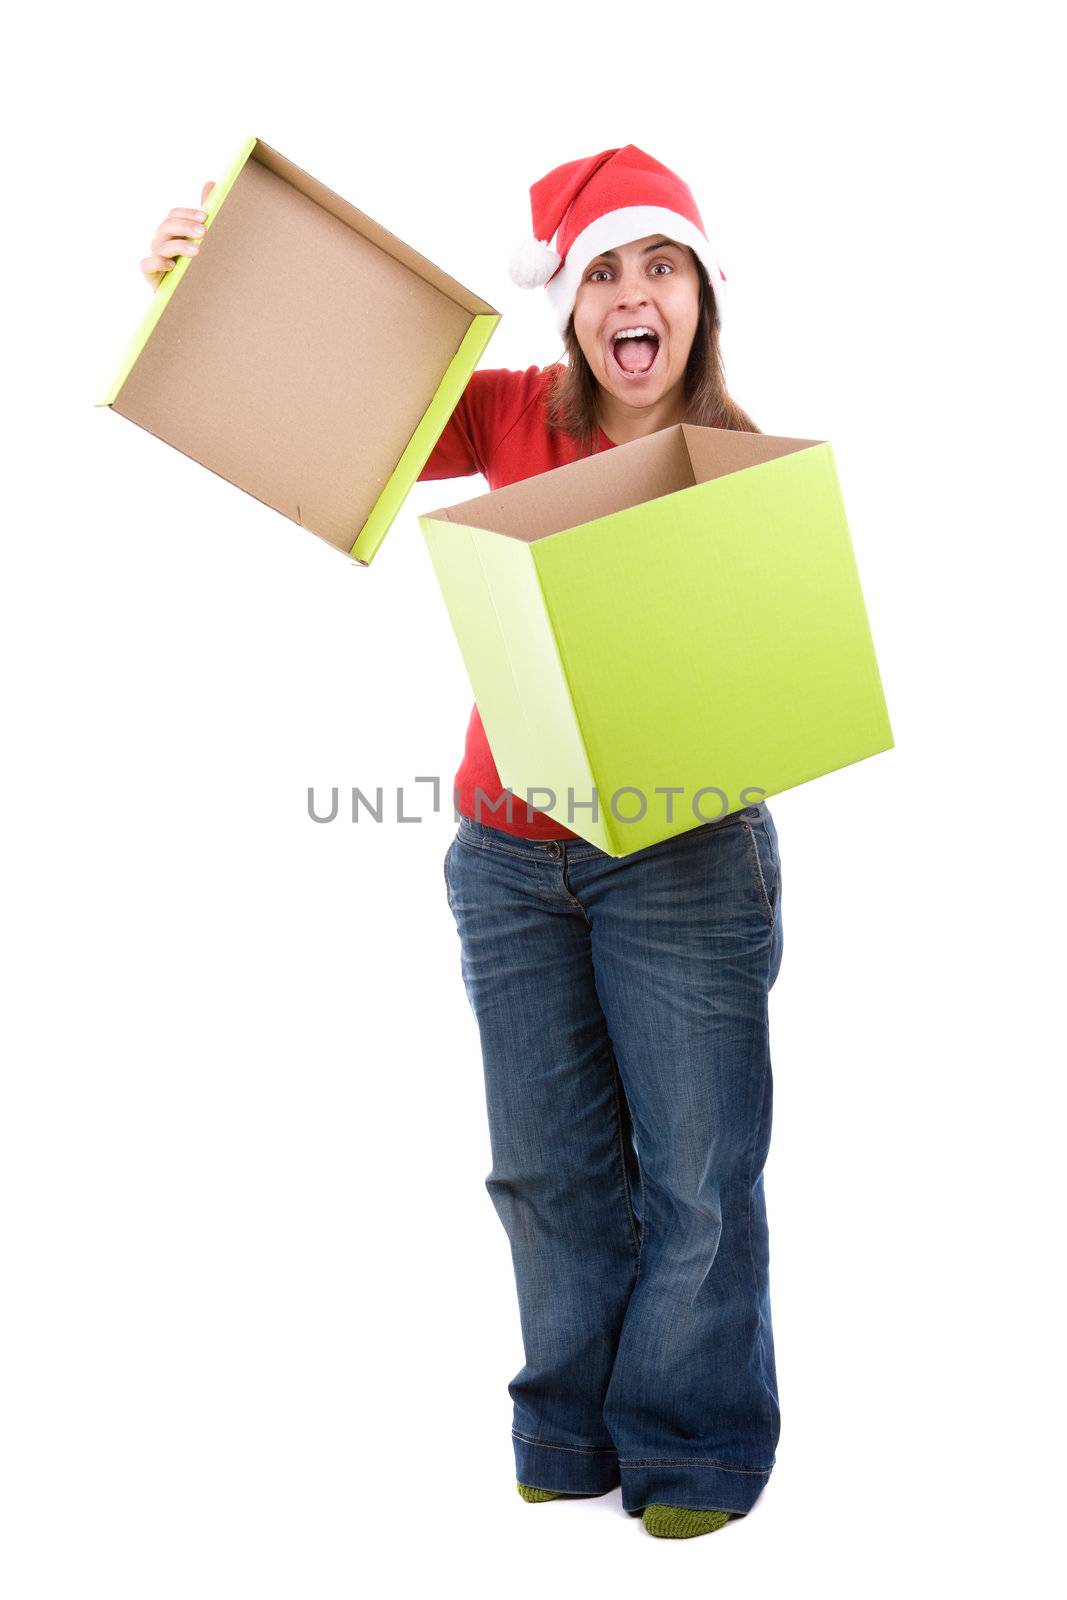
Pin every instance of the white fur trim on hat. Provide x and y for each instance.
(622, 227)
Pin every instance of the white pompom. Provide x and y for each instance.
(532, 264)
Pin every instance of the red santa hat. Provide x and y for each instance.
(586, 207)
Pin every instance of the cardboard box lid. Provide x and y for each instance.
(685, 609)
(306, 354)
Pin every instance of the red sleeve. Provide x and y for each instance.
(488, 409)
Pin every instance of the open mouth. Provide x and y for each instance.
(635, 352)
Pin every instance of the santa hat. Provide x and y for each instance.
(585, 207)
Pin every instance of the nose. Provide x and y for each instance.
(631, 293)
(632, 287)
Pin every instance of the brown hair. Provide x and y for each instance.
(572, 401)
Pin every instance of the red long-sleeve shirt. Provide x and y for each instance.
(499, 429)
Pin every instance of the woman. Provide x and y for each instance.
(622, 1003)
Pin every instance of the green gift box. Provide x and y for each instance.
(307, 355)
(664, 632)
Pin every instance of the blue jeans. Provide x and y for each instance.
(622, 1007)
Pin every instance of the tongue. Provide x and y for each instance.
(635, 355)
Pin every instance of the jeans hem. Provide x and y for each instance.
(565, 1468)
(697, 1485)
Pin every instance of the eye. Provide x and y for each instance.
(592, 275)
(666, 264)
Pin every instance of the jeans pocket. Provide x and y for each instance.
(766, 867)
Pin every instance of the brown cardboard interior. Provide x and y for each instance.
(614, 480)
(301, 350)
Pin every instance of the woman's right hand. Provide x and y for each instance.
(177, 235)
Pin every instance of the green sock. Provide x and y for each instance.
(533, 1495)
(680, 1522)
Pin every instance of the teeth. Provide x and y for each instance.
(634, 333)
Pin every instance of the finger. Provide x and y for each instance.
(157, 265)
(168, 254)
(161, 261)
(181, 223)
(206, 190)
(178, 228)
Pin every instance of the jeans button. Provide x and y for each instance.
(554, 847)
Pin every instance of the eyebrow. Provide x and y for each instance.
(661, 244)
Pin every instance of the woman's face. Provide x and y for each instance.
(651, 283)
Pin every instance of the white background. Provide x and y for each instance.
(260, 1314)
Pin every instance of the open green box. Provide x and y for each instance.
(306, 354)
(682, 612)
